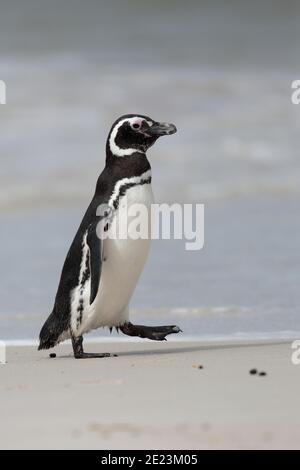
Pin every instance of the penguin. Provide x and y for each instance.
(100, 272)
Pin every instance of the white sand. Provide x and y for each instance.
(153, 395)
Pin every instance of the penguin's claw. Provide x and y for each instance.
(156, 333)
(160, 332)
(85, 355)
(79, 352)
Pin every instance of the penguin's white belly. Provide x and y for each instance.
(123, 260)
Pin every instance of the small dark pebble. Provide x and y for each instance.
(262, 374)
(253, 371)
(52, 355)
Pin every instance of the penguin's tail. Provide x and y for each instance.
(50, 332)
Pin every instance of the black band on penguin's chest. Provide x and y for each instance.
(124, 188)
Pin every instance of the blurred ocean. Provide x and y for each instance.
(222, 72)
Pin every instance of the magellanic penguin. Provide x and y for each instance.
(100, 272)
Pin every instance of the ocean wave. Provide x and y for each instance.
(237, 131)
(18, 198)
(240, 338)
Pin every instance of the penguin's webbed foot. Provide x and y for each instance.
(84, 355)
(156, 333)
(80, 354)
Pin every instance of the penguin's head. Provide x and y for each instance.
(135, 133)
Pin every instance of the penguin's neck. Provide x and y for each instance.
(127, 166)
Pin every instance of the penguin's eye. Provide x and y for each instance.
(136, 125)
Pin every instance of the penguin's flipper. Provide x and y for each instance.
(95, 244)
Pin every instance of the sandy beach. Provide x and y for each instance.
(175, 395)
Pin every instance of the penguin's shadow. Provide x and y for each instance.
(144, 352)
(186, 349)
(161, 352)
(166, 351)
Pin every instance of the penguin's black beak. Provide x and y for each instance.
(161, 128)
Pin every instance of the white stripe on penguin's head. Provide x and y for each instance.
(122, 152)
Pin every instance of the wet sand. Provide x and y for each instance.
(153, 395)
